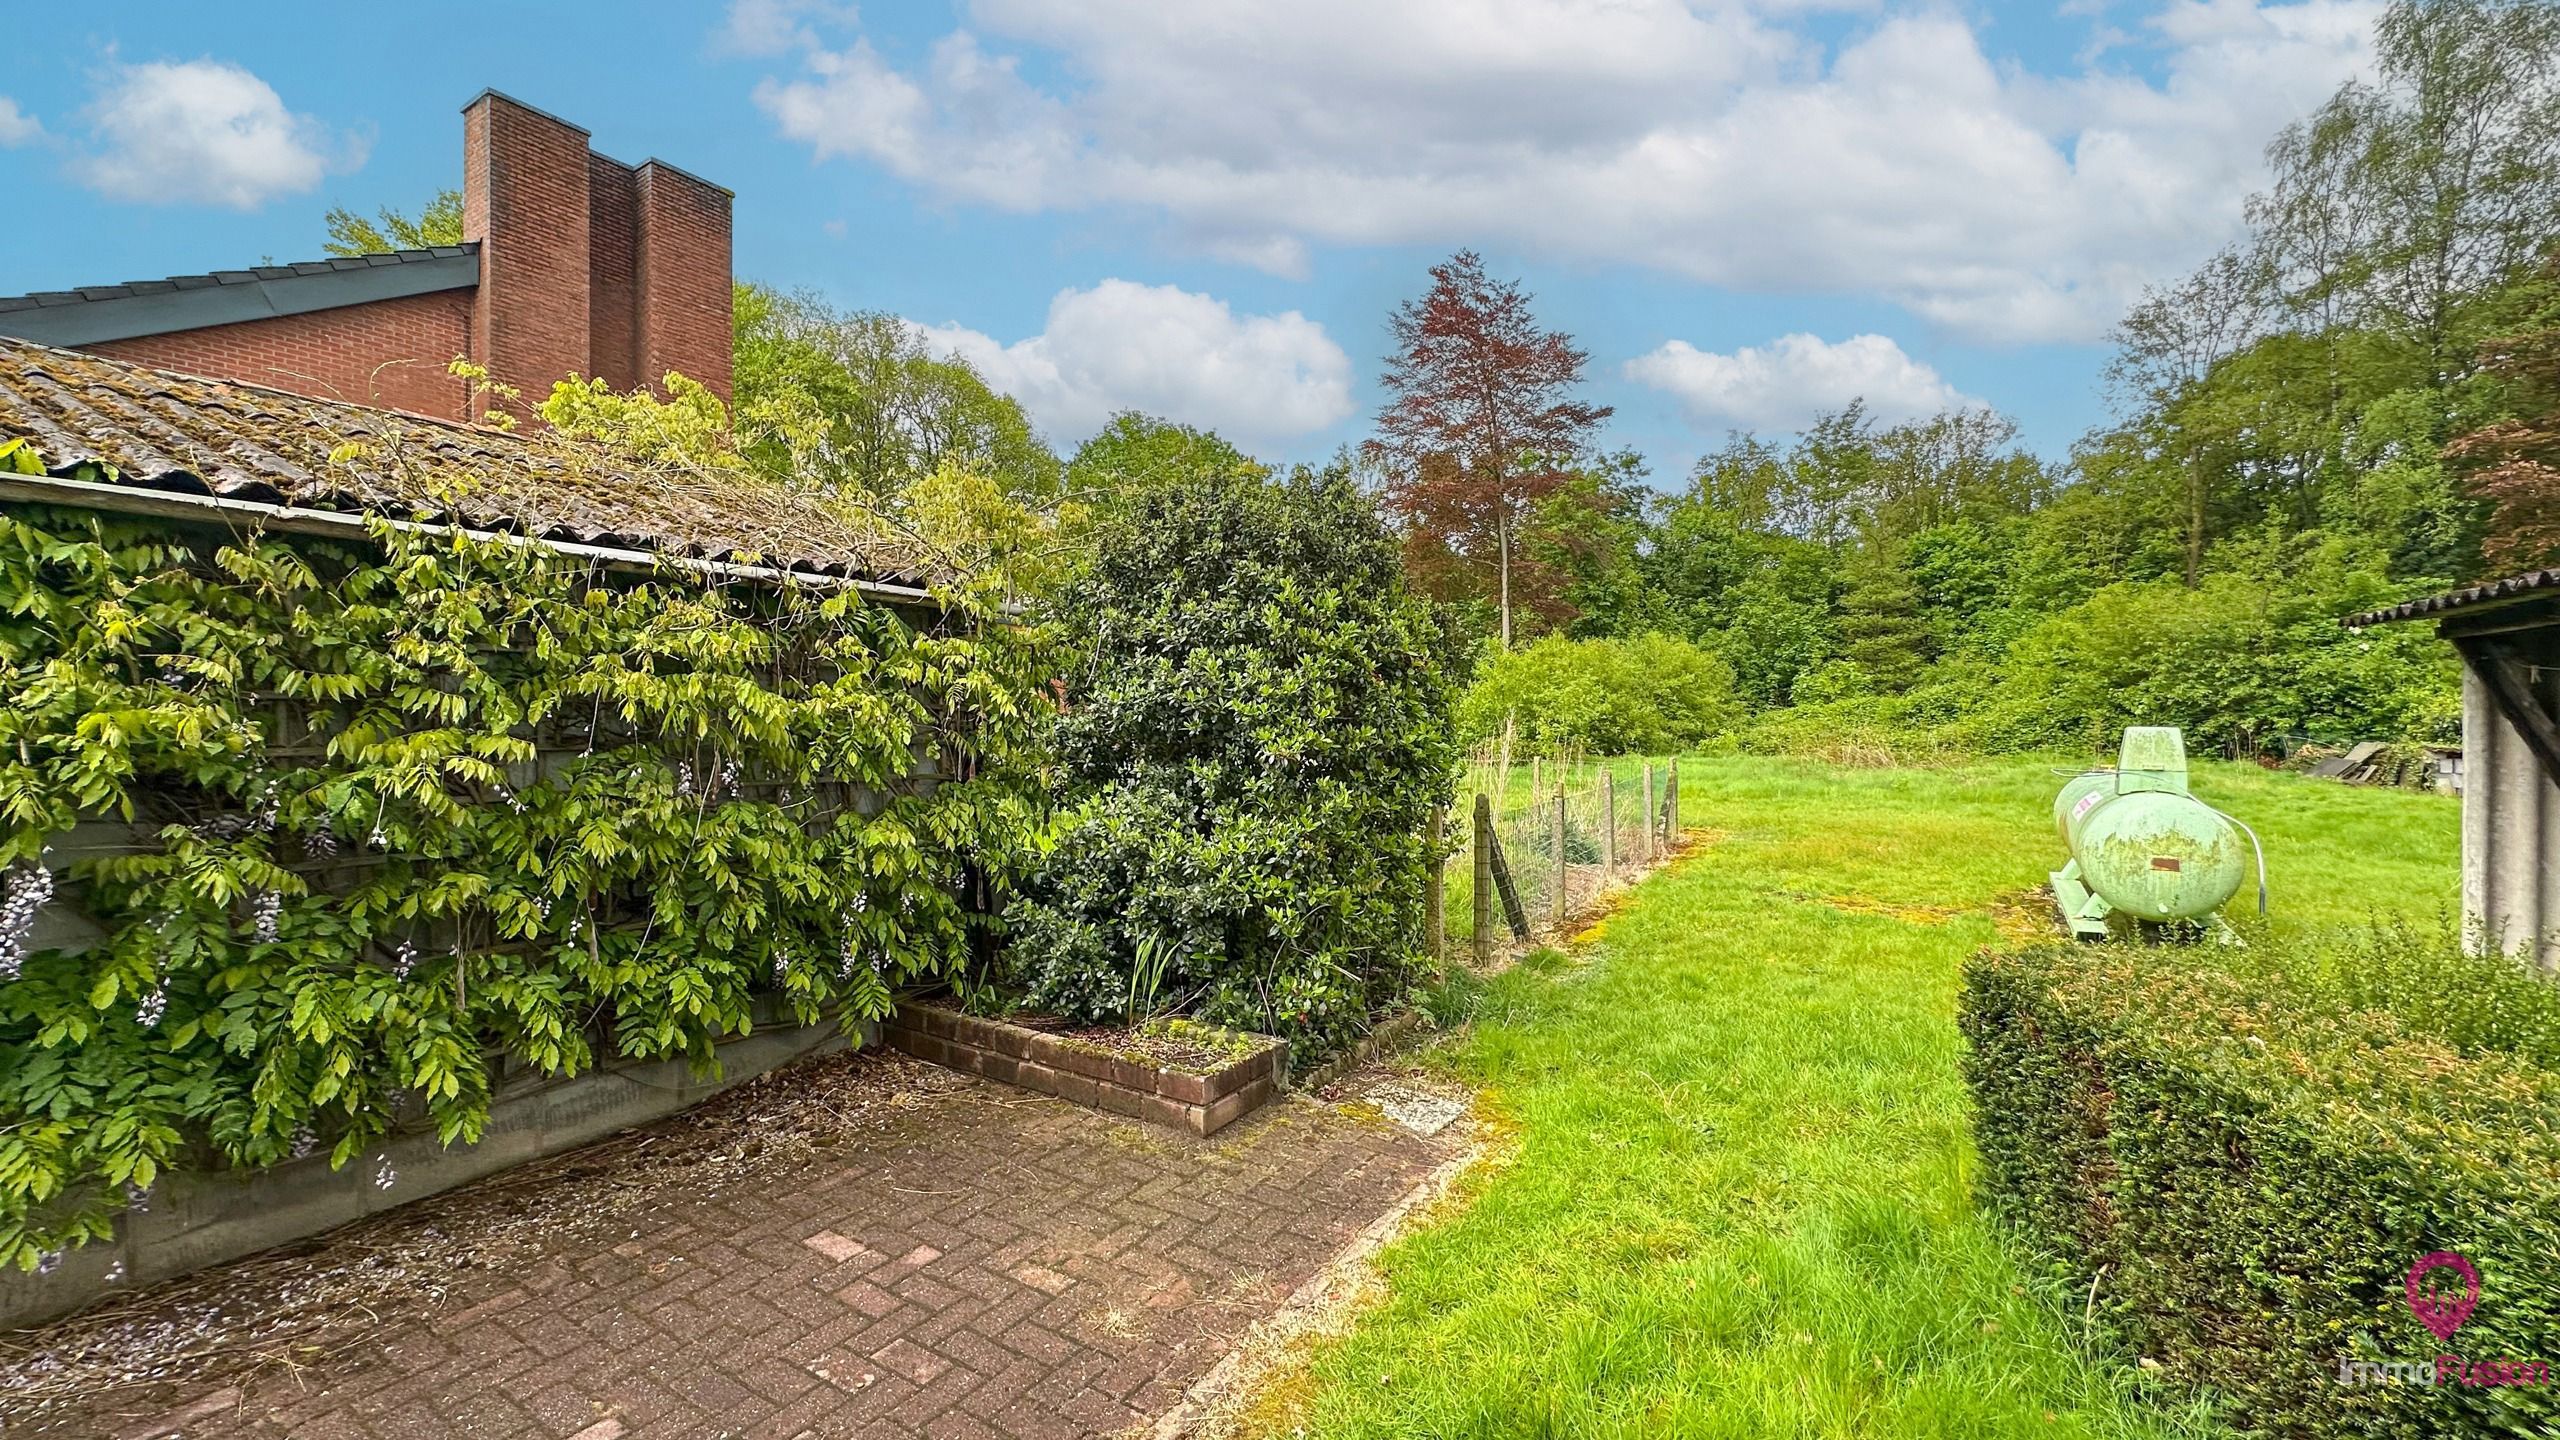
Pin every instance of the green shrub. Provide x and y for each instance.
(1255, 734)
(2242, 660)
(399, 807)
(1650, 694)
(2239, 1170)
(2232, 661)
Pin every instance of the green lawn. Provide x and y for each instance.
(1739, 1204)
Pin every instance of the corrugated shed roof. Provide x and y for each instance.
(251, 276)
(192, 436)
(2471, 597)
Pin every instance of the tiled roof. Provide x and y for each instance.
(177, 434)
(2473, 597)
(253, 275)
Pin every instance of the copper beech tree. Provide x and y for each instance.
(2515, 463)
(1481, 421)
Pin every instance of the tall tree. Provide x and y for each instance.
(1746, 482)
(2514, 464)
(2167, 344)
(1136, 454)
(2464, 157)
(1880, 624)
(857, 401)
(1583, 544)
(1957, 465)
(1481, 422)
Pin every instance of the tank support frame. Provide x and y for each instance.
(2083, 913)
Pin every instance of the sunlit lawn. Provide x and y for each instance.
(1739, 1201)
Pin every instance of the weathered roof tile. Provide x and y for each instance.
(2486, 594)
(183, 434)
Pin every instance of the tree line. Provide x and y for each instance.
(2357, 400)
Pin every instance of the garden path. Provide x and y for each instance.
(964, 1260)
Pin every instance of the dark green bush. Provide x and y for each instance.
(2240, 1169)
(1253, 741)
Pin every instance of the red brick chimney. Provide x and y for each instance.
(683, 311)
(589, 266)
(574, 264)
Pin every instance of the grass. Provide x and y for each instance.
(1738, 1203)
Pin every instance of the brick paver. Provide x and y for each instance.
(998, 1265)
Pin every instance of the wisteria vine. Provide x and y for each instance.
(599, 816)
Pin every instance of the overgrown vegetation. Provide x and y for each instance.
(354, 819)
(1649, 695)
(1256, 727)
(2240, 1155)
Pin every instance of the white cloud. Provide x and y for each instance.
(17, 127)
(1169, 352)
(1785, 384)
(770, 27)
(204, 132)
(1715, 142)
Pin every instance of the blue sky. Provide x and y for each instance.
(1744, 212)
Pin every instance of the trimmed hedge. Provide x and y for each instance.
(2241, 1177)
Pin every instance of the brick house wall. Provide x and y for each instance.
(613, 271)
(587, 267)
(390, 353)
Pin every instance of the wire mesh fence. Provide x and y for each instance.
(1562, 829)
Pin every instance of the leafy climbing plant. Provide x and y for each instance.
(352, 825)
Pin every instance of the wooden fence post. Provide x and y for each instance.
(1435, 930)
(1608, 826)
(1537, 775)
(1484, 882)
(1671, 809)
(1564, 872)
(1647, 826)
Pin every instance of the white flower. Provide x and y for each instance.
(266, 916)
(28, 886)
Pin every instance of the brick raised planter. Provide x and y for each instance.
(1202, 1104)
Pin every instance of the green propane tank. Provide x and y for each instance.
(2141, 845)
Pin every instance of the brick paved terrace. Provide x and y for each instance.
(861, 1245)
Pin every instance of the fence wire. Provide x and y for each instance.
(1595, 809)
